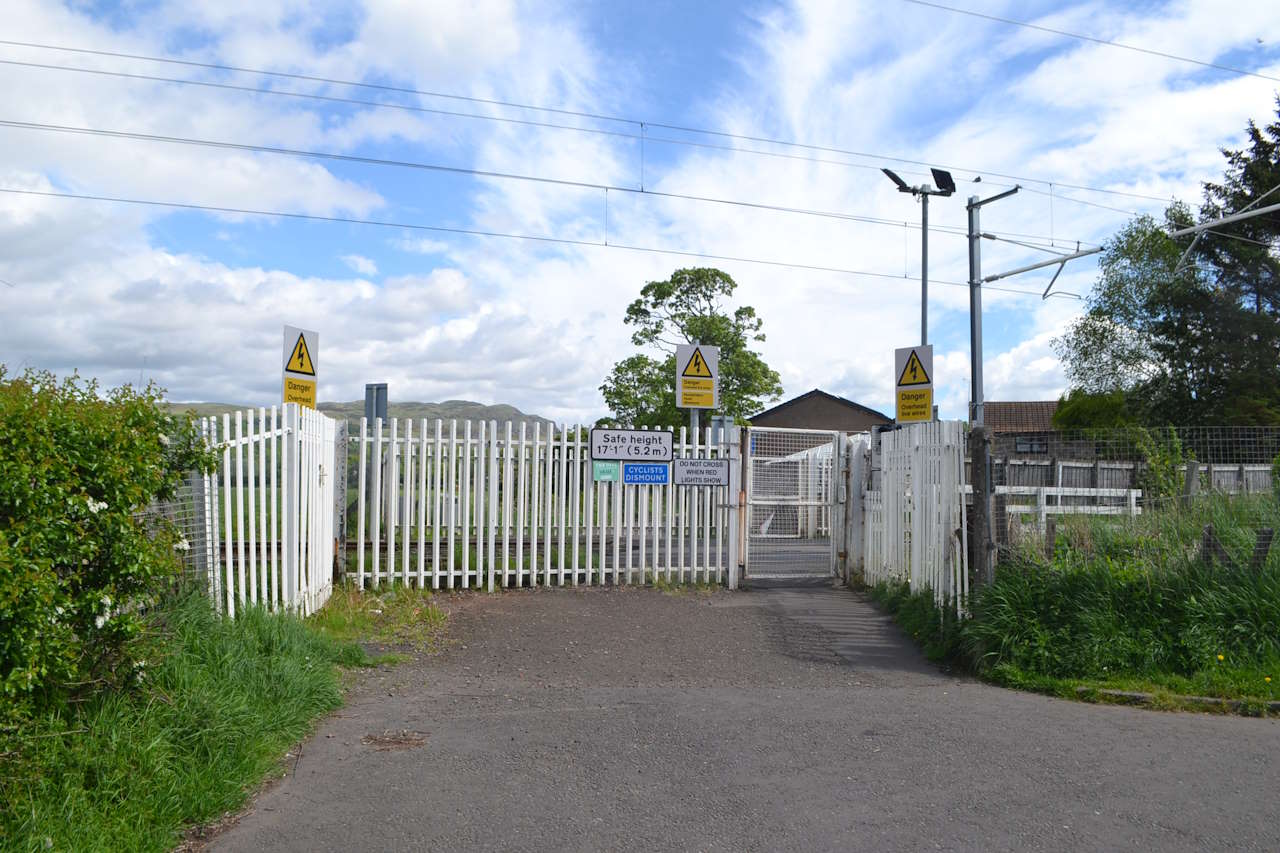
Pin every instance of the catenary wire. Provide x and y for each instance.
(472, 232)
(1106, 42)
(638, 137)
(562, 111)
(460, 170)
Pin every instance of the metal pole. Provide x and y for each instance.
(975, 313)
(924, 268)
(693, 423)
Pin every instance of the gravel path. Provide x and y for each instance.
(780, 719)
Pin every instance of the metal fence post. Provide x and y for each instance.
(292, 509)
(738, 498)
(982, 563)
(340, 457)
(855, 540)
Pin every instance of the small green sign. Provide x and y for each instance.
(604, 472)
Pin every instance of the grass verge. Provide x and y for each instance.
(222, 701)
(945, 639)
(1129, 607)
(395, 616)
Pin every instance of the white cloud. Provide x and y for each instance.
(361, 264)
(421, 245)
(105, 289)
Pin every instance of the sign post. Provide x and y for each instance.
(301, 355)
(913, 378)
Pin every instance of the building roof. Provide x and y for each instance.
(1020, 415)
(817, 392)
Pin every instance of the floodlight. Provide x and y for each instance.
(946, 185)
(902, 185)
(945, 182)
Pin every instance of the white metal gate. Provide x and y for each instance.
(268, 509)
(915, 528)
(475, 505)
(792, 494)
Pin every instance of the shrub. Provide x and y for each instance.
(1161, 477)
(76, 559)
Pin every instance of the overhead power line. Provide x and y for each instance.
(471, 172)
(526, 122)
(472, 232)
(638, 123)
(1094, 40)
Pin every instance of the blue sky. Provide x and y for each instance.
(196, 300)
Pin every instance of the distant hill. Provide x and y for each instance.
(461, 410)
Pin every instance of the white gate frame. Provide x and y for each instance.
(830, 501)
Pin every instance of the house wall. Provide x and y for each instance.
(820, 413)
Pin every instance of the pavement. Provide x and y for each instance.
(783, 718)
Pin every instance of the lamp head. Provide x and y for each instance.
(945, 183)
(902, 185)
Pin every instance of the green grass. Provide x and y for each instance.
(1122, 605)
(222, 702)
(394, 615)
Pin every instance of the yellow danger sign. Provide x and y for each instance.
(913, 372)
(697, 369)
(300, 391)
(300, 359)
(301, 356)
(913, 367)
(915, 405)
(697, 394)
(697, 366)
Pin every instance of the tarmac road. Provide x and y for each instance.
(777, 719)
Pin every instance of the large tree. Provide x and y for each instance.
(689, 307)
(1187, 330)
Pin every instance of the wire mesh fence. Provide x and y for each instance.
(790, 501)
(1137, 495)
(185, 512)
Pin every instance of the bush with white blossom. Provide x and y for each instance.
(77, 464)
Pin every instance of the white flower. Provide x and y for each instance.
(58, 610)
(100, 621)
(182, 545)
(164, 439)
(106, 602)
(96, 506)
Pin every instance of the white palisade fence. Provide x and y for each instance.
(466, 505)
(915, 522)
(268, 508)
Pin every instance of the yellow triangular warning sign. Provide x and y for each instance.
(300, 360)
(913, 372)
(697, 366)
